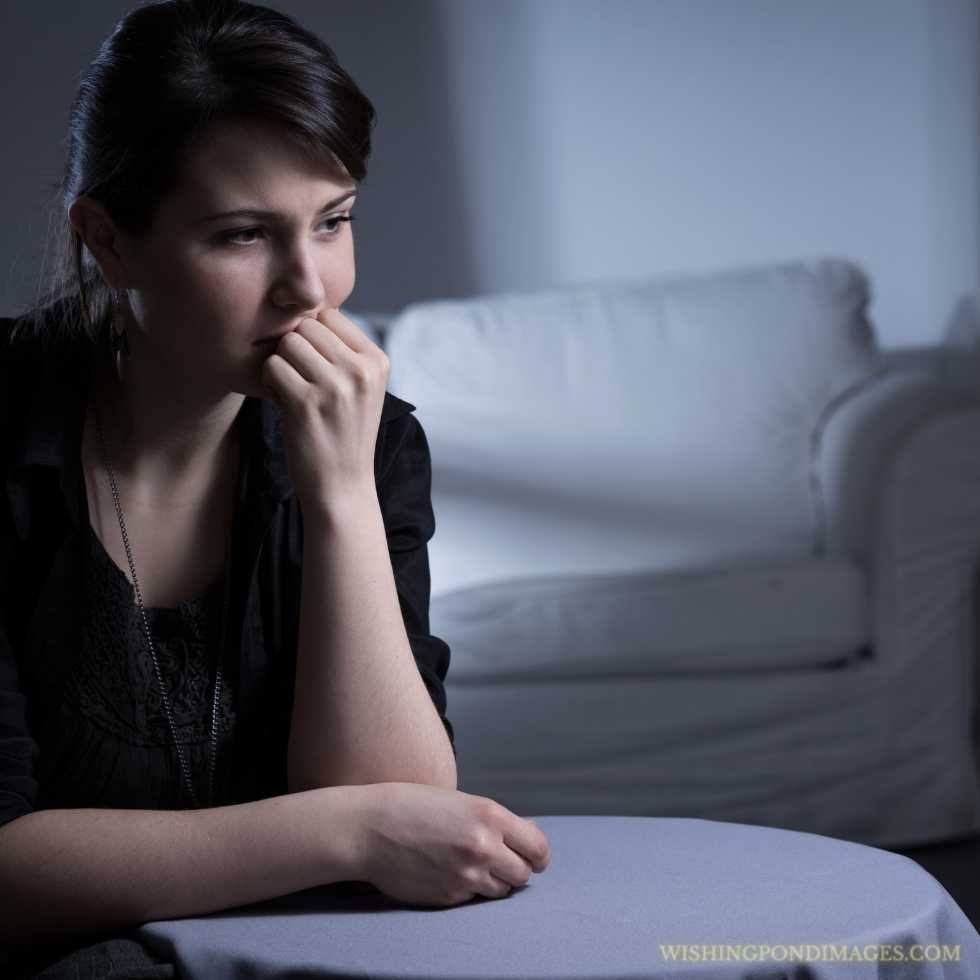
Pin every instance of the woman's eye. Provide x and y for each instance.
(333, 226)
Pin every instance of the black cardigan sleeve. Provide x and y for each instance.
(18, 750)
(405, 494)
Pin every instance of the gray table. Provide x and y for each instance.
(616, 889)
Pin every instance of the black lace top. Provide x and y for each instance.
(108, 738)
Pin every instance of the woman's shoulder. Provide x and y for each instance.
(36, 361)
(38, 338)
(17, 339)
(21, 360)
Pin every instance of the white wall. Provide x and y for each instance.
(635, 138)
(527, 143)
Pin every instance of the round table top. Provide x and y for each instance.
(618, 895)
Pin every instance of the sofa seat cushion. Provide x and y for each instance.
(778, 614)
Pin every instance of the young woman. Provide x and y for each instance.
(217, 681)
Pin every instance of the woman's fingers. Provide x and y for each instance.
(303, 356)
(528, 840)
(312, 349)
(293, 367)
(525, 851)
(348, 332)
(287, 385)
(499, 887)
(336, 338)
(323, 335)
(511, 869)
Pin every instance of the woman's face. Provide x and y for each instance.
(205, 288)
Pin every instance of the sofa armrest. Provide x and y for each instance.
(926, 544)
(858, 434)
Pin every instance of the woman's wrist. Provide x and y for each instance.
(344, 830)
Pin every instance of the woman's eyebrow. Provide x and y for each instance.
(276, 216)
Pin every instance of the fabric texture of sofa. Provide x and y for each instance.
(701, 550)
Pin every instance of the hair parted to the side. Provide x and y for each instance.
(168, 72)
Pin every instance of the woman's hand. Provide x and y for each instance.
(329, 379)
(431, 846)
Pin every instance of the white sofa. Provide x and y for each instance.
(701, 550)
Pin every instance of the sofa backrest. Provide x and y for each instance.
(627, 425)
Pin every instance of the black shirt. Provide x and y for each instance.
(81, 721)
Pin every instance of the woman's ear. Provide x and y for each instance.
(92, 223)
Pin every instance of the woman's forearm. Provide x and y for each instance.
(68, 873)
(361, 711)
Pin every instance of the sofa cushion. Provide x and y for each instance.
(777, 615)
(627, 425)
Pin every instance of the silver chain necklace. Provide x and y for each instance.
(185, 769)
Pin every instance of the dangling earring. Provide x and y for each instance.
(120, 338)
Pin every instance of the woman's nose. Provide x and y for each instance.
(300, 283)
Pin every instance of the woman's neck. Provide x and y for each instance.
(155, 436)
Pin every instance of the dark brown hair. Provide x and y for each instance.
(168, 72)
